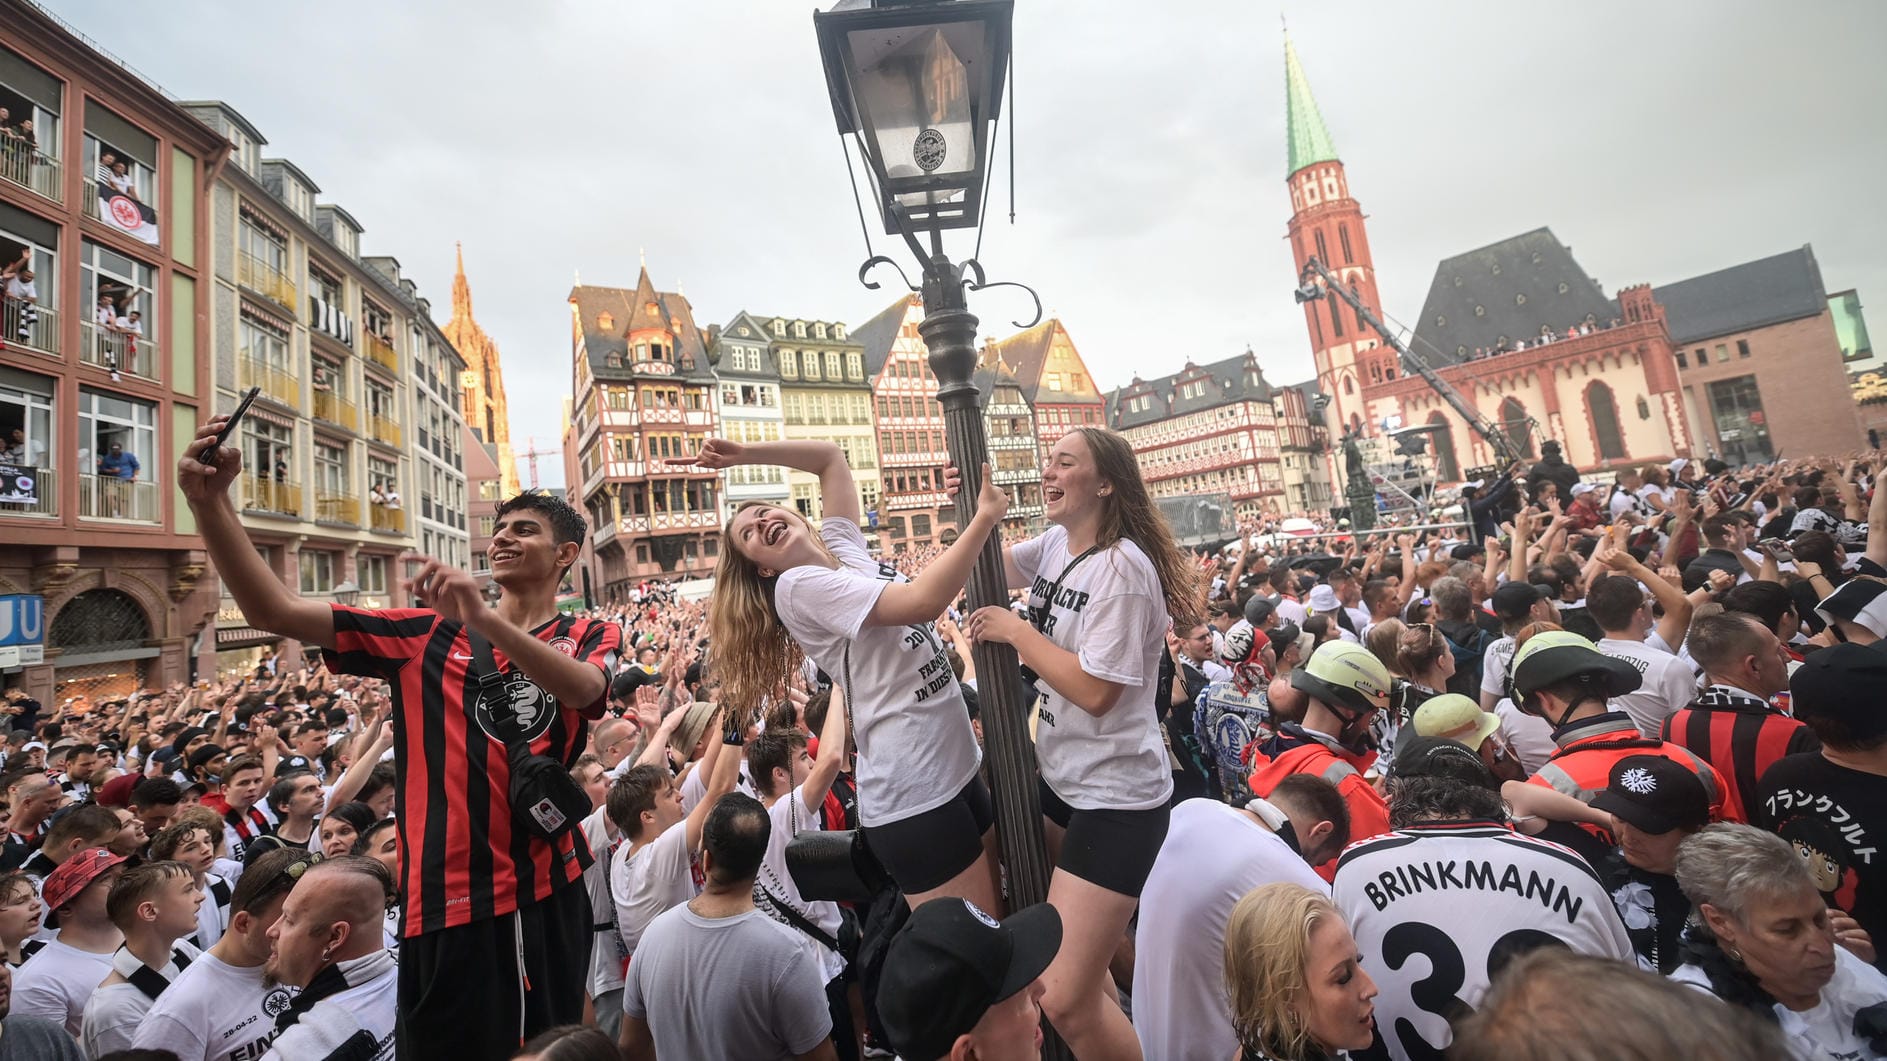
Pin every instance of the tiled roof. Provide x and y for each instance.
(879, 333)
(1506, 289)
(1781, 287)
(629, 310)
(1235, 379)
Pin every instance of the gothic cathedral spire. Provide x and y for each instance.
(1327, 224)
(484, 394)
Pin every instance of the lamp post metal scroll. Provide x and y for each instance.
(917, 86)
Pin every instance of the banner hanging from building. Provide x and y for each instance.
(18, 485)
(127, 215)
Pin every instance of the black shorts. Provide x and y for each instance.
(923, 852)
(1112, 848)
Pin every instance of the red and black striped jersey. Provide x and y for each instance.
(1741, 735)
(461, 858)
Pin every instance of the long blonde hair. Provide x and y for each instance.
(1267, 948)
(1129, 512)
(749, 649)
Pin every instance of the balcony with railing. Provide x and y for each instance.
(274, 380)
(386, 520)
(30, 326)
(278, 497)
(109, 497)
(382, 353)
(383, 429)
(45, 494)
(118, 352)
(137, 218)
(264, 279)
(334, 509)
(24, 164)
(335, 410)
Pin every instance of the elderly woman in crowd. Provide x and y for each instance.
(1763, 940)
(1294, 978)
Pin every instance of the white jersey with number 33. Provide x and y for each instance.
(1438, 910)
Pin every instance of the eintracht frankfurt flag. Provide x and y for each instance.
(130, 216)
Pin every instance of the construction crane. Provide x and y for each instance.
(1315, 280)
(530, 457)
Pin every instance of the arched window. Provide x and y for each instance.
(1348, 386)
(100, 620)
(1513, 420)
(1343, 237)
(1447, 468)
(1323, 254)
(1336, 313)
(1603, 408)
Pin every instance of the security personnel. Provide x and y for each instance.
(1561, 677)
(1346, 686)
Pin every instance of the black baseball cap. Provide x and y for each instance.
(1654, 794)
(950, 963)
(1419, 756)
(1838, 689)
(1513, 600)
(204, 754)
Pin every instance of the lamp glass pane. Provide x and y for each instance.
(915, 90)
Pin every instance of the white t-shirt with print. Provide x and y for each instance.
(646, 879)
(916, 749)
(606, 950)
(792, 815)
(214, 1011)
(1111, 613)
(1669, 685)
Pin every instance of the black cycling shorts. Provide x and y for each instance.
(1112, 848)
(925, 851)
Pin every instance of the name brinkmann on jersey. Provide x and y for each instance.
(1470, 875)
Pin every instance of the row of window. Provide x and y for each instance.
(828, 408)
(321, 571)
(1702, 355)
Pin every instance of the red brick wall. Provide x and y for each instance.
(1805, 395)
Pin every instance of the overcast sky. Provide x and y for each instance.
(1659, 141)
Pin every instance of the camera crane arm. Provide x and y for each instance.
(1310, 290)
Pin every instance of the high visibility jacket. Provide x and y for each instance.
(1588, 748)
(1320, 757)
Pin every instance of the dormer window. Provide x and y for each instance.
(838, 332)
(652, 308)
(779, 328)
(799, 329)
(819, 331)
(605, 321)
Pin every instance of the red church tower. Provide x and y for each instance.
(1328, 224)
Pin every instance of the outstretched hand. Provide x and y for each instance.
(716, 453)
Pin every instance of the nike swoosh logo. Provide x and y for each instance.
(460, 655)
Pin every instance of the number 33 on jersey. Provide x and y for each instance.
(1446, 906)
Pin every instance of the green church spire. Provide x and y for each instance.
(1306, 139)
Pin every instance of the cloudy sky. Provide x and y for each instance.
(1659, 141)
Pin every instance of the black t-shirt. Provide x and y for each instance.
(1836, 818)
(1653, 908)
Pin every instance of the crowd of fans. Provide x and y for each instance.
(1546, 336)
(19, 147)
(1397, 795)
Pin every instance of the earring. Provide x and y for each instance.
(1733, 954)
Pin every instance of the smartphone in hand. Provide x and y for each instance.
(235, 418)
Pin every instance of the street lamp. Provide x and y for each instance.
(917, 86)
(346, 593)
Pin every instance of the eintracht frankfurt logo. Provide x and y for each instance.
(125, 212)
(1639, 780)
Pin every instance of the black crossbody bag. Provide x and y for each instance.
(1038, 617)
(545, 801)
(838, 864)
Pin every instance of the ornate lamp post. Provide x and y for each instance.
(917, 86)
(346, 594)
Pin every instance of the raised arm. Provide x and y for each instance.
(925, 597)
(205, 473)
(839, 495)
(1675, 622)
(361, 768)
(1877, 520)
(723, 773)
(825, 768)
